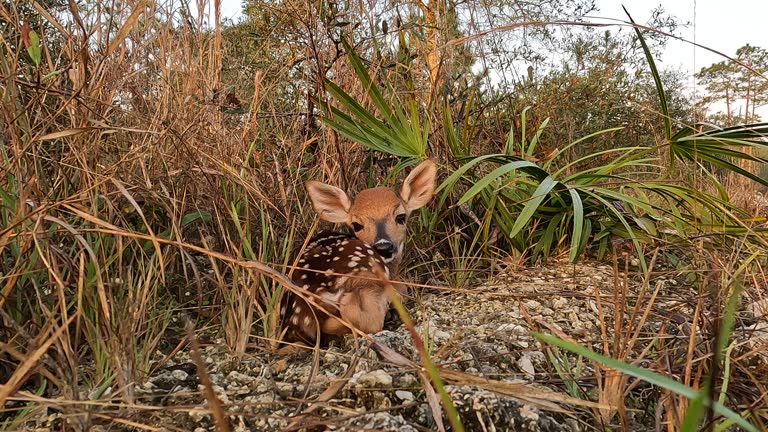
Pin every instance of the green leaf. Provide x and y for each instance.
(195, 216)
(544, 245)
(365, 80)
(401, 132)
(578, 224)
(449, 183)
(34, 49)
(647, 225)
(491, 177)
(530, 208)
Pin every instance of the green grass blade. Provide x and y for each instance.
(578, 141)
(656, 79)
(536, 136)
(523, 124)
(695, 413)
(647, 376)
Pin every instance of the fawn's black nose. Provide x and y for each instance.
(385, 248)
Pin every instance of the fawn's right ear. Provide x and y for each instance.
(330, 203)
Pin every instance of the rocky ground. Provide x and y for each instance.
(497, 374)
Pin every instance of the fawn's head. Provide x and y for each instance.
(377, 216)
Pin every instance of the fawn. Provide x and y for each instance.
(348, 274)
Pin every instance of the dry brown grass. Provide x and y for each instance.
(115, 145)
(136, 187)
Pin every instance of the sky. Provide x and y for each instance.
(724, 26)
(720, 25)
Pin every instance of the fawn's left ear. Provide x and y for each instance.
(419, 186)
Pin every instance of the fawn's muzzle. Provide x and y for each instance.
(385, 248)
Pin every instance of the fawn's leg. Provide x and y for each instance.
(364, 306)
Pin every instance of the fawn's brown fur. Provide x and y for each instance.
(348, 274)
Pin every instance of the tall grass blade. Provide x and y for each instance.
(656, 78)
(648, 376)
(578, 225)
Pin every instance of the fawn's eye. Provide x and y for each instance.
(357, 227)
(400, 219)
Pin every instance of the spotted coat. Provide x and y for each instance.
(332, 266)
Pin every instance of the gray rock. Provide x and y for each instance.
(405, 395)
(482, 410)
(381, 421)
(373, 379)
